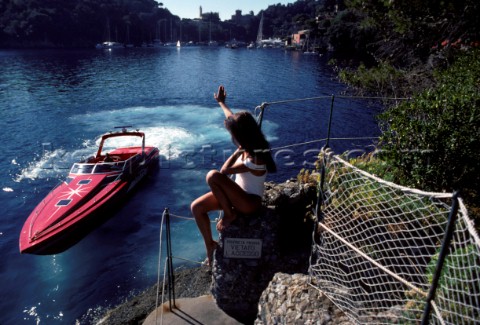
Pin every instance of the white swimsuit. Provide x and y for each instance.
(249, 182)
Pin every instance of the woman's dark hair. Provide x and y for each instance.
(244, 129)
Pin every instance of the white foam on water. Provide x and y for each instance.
(52, 164)
(173, 129)
(31, 313)
(44, 167)
(178, 131)
(165, 138)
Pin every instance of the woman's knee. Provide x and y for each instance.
(213, 176)
(196, 208)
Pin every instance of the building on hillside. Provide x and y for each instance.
(300, 38)
(211, 16)
(240, 19)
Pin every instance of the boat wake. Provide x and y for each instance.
(176, 131)
(55, 163)
(51, 164)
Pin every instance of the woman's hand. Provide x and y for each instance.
(232, 166)
(221, 96)
(239, 151)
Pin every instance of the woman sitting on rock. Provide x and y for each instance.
(249, 163)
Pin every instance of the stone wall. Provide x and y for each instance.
(290, 299)
(284, 229)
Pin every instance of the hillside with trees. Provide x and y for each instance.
(66, 24)
(84, 23)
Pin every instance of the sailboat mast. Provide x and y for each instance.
(260, 32)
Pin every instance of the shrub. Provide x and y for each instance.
(433, 141)
(382, 79)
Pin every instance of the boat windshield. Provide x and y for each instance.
(98, 168)
(82, 168)
(107, 167)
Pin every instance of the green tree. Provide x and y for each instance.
(433, 140)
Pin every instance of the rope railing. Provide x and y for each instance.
(321, 140)
(459, 250)
(158, 269)
(332, 97)
(296, 100)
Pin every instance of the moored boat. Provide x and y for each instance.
(109, 46)
(86, 197)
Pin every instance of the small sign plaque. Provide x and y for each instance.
(242, 248)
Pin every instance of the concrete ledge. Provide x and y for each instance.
(200, 310)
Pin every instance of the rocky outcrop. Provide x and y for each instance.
(290, 299)
(253, 248)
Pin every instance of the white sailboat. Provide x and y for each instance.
(210, 42)
(108, 45)
(260, 33)
(179, 44)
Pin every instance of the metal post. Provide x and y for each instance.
(318, 207)
(447, 239)
(158, 271)
(322, 172)
(260, 116)
(330, 122)
(171, 276)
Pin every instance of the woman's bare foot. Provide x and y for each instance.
(223, 223)
(210, 249)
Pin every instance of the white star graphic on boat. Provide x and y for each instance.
(79, 191)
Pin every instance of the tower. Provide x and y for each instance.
(200, 13)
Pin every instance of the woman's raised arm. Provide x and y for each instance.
(221, 97)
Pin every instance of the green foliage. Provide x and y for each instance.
(83, 23)
(457, 276)
(306, 176)
(407, 31)
(373, 165)
(382, 79)
(366, 199)
(348, 34)
(432, 141)
(393, 31)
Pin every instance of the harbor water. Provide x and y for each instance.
(55, 104)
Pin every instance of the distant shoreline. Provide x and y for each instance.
(42, 45)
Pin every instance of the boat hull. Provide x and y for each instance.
(90, 195)
(72, 231)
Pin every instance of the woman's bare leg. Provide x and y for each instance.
(230, 197)
(200, 208)
(226, 195)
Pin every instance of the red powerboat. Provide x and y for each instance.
(92, 189)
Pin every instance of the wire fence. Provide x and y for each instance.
(390, 254)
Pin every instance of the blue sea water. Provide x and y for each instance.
(56, 104)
